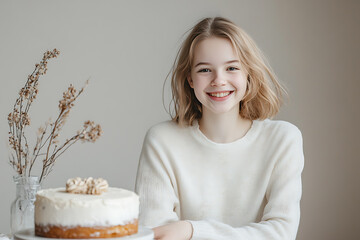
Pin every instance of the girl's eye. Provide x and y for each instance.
(232, 68)
(204, 70)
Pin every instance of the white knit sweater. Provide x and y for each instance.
(246, 189)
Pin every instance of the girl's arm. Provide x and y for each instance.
(158, 200)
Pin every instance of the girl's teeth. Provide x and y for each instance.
(223, 94)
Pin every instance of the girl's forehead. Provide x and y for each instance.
(214, 50)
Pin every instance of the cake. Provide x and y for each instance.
(84, 210)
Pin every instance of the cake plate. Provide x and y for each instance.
(142, 234)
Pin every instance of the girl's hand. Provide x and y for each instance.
(180, 230)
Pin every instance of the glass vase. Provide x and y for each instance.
(22, 208)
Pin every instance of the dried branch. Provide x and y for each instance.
(20, 158)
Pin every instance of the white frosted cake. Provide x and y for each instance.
(62, 214)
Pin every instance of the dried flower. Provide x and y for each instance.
(47, 143)
(91, 132)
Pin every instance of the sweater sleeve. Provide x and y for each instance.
(282, 212)
(158, 200)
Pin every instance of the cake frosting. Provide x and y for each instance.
(114, 207)
(92, 212)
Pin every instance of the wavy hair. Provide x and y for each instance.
(263, 96)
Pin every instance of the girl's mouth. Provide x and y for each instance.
(220, 96)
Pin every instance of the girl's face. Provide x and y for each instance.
(216, 76)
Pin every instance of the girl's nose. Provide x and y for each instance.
(219, 80)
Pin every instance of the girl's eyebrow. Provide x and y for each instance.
(206, 63)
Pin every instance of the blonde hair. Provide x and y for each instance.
(263, 96)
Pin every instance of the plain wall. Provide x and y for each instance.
(127, 48)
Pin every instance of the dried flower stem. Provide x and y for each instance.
(18, 119)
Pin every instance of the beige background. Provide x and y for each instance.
(126, 48)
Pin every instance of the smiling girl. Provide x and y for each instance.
(221, 169)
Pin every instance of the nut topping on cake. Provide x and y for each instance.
(97, 186)
(87, 185)
(76, 185)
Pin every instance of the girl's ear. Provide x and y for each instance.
(190, 81)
